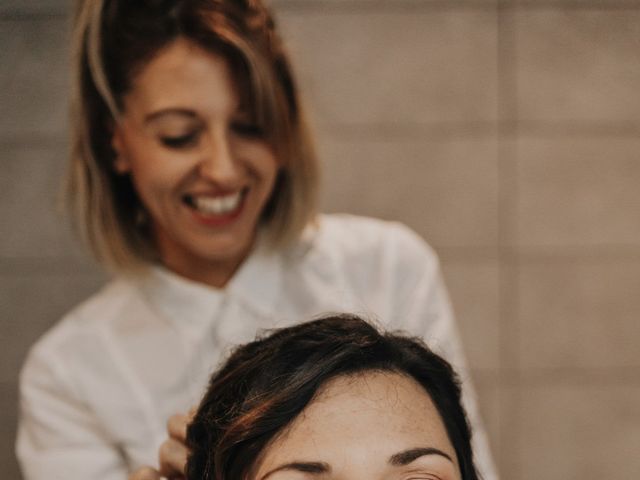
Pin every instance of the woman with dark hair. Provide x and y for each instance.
(332, 397)
(194, 181)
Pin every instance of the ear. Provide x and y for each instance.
(121, 163)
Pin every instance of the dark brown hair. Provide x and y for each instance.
(113, 40)
(265, 385)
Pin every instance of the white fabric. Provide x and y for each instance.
(97, 389)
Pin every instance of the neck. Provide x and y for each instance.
(215, 273)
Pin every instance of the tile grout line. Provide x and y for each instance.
(510, 381)
(611, 5)
(409, 132)
(378, 6)
(25, 15)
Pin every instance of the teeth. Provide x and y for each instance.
(217, 205)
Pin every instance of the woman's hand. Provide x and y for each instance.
(145, 473)
(173, 452)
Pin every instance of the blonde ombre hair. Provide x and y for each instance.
(115, 39)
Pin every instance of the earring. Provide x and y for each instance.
(142, 217)
(120, 164)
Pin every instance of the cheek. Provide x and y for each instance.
(261, 158)
(158, 168)
(154, 181)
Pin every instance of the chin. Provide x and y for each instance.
(225, 250)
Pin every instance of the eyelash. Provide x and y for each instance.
(187, 140)
(247, 129)
(427, 477)
(422, 476)
(181, 141)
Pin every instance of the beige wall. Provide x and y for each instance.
(506, 133)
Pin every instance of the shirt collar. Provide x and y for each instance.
(185, 303)
(257, 281)
(188, 303)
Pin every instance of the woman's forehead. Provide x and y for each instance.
(353, 409)
(183, 74)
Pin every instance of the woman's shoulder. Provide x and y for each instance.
(369, 265)
(353, 236)
(83, 321)
(363, 251)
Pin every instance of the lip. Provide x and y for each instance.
(217, 193)
(213, 220)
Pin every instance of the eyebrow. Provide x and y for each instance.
(169, 111)
(398, 460)
(315, 468)
(408, 456)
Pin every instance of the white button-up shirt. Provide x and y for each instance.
(98, 388)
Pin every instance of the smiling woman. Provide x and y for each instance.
(336, 399)
(194, 180)
(189, 134)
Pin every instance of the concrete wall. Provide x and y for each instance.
(505, 132)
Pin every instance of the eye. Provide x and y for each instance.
(423, 476)
(180, 141)
(247, 129)
(430, 474)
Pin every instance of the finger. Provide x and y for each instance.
(173, 458)
(192, 412)
(145, 473)
(177, 426)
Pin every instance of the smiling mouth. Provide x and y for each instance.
(223, 205)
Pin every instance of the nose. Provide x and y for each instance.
(218, 163)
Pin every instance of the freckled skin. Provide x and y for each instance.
(356, 424)
(198, 90)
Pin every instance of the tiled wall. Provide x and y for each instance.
(505, 132)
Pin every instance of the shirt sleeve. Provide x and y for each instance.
(426, 312)
(58, 436)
